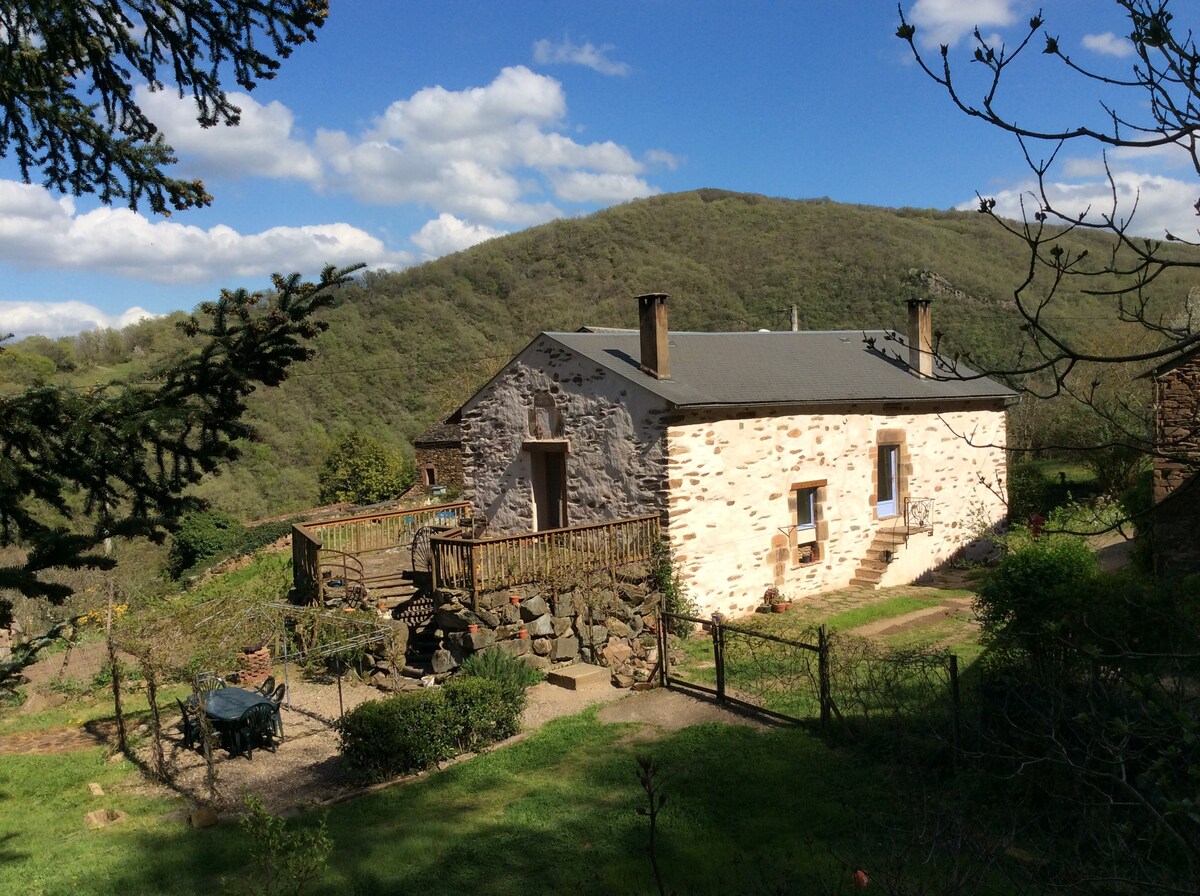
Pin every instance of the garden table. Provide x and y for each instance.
(229, 709)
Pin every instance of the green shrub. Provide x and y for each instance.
(364, 470)
(412, 731)
(202, 536)
(512, 676)
(481, 709)
(405, 733)
(1028, 600)
(665, 579)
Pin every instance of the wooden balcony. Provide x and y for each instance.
(335, 548)
(488, 564)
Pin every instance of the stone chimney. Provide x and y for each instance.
(652, 321)
(920, 338)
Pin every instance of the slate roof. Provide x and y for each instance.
(779, 368)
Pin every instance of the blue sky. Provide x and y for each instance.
(410, 130)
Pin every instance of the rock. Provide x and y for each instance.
(563, 625)
(536, 662)
(481, 639)
(442, 661)
(102, 817)
(635, 624)
(487, 617)
(616, 652)
(622, 680)
(540, 625)
(533, 608)
(542, 646)
(204, 817)
(510, 615)
(95, 789)
(564, 605)
(514, 646)
(617, 628)
(597, 635)
(565, 648)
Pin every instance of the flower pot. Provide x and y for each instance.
(778, 608)
(514, 599)
(472, 628)
(522, 634)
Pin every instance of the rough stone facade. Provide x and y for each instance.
(726, 483)
(613, 437)
(439, 459)
(608, 620)
(1176, 517)
(733, 484)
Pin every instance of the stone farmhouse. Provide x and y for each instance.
(805, 460)
(1176, 490)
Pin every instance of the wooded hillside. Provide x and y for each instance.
(403, 349)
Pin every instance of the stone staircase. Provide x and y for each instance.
(888, 542)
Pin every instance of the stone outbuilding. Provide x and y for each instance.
(805, 460)
(1175, 518)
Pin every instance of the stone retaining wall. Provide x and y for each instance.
(608, 620)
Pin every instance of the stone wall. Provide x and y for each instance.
(1176, 425)
(612, 435)
(447, 463)
(733, 484)
(608, 620)
(1176, 516)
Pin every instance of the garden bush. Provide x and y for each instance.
(201, 536)
(405, 733)
(1029, 600)
(412, 731)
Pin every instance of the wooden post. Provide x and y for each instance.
(956, 720)
(823, 675)
(664, 648)
(718, 636)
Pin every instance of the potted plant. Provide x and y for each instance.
(775, 599)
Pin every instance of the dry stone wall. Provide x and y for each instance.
(607, 620)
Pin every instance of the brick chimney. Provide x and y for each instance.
(920, 338)
(652, 321)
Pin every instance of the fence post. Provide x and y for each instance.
(718, 636)
(823, 675)
(664, 651)
(956, 720)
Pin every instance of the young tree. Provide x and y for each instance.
(1150, 104)
(364, 470)
(68, 105)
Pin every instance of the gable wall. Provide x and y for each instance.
(732, 499)
(614, 435)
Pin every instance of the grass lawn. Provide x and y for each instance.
(554, 813)
(748, 810)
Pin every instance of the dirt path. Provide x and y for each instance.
(951, 607)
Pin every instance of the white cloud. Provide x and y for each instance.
(547, 52)
(36, 231)
(486, 154)
(62, 318)
(947, 21)
(1109, 44)
(585, 186)
(446, 234)
(262, 145)
(664, 159)
(1162, 203)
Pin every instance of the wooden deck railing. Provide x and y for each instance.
(486, 564)
(362, 534)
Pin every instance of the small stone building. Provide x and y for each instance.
(805, 460)
(1175, 519)
(439, 462)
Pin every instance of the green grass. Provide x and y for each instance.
(558, 809)
(885, 609)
